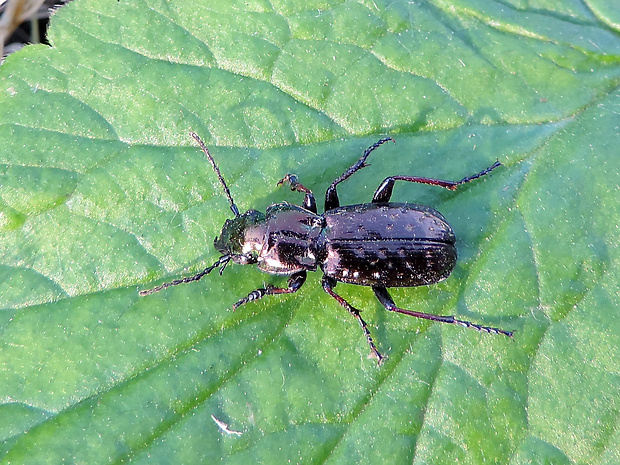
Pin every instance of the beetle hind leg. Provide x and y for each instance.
(294, 284)
(328, 286)
(384, 191)
(386, 300)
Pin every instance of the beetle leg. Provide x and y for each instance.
(386, 300)
(384, 191)
(328, 285)
(331, 196)
(309, 201)
(294, 283)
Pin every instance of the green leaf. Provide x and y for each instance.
(103, 193)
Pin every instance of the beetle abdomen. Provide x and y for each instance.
(387, 244)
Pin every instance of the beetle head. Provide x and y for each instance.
(242, 237)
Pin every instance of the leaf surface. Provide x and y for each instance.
(103, 193)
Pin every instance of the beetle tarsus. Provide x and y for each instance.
(252, 296)
(477, 175)
(484, 329)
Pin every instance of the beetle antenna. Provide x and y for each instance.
(204, 148)
(221, 262)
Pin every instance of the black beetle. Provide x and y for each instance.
(379, 244)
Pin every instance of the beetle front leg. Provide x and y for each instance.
(309, 201)
(386, 300)
(294, 283)
(328, 285)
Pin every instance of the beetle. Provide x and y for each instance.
(380, 244)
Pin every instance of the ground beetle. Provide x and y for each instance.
(379, 244)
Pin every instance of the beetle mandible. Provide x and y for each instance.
(379, 244)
